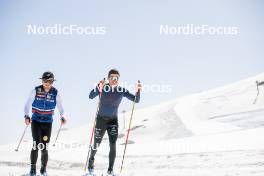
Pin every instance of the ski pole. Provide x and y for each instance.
(255, 101)
(92, 135)
(93, 129)
(128, 132)
(21, 138)
(258, 84)
(57, 135)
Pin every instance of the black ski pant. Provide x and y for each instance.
(110, 125)
(41, 132)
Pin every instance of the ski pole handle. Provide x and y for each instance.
(101, 86)
(139, 86)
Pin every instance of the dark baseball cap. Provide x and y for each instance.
(48, 76)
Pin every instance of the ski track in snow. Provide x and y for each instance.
(227, 163)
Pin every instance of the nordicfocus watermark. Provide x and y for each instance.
(83, 145)
(191, 29)
(59, 29)
(146, 88)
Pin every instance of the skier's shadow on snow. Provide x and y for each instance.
(128, 142)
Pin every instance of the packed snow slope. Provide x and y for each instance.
(216, 132)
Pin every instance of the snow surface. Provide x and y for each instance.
(217, 132)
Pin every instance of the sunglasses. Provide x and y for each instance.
(114, 78)
(48, 81)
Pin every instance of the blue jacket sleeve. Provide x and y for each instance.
(132, 97)
(94, 93)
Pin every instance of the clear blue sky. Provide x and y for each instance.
(132, 45)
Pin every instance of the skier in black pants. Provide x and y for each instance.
(43, 100)
(107, 120)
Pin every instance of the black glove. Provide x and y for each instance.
(63, 119)
(27, 117)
